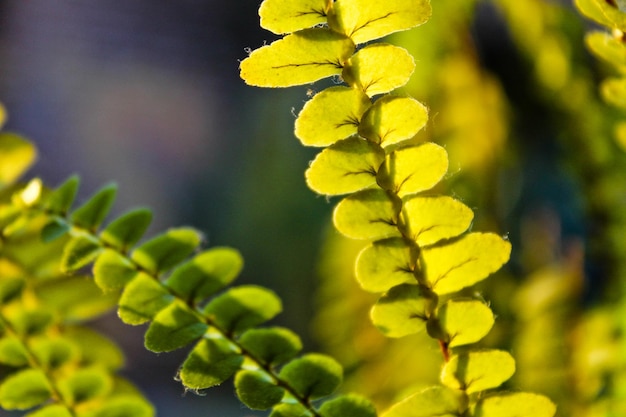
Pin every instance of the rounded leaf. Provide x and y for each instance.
(478, 371)
(243, 307)
(172, 328)
(368, 214)
(514, 404)
(345, 167)
(112, 270)
(348, 405)
(85, 384)
(465, 321)
(313, 375)
(431, 219)
(79, 252)
(379, 68)
(331, 115)
(24, 389)
(289, 410)
(16, 156)
(402, 311)
(167, 250)
(385, 264)
(53, 410)
(142, 299)
(257, 390)
(614, 92)
(123, 232)
(434, 401)
(286, 16)
(271, 346)
(210, 363)
(299, 58)
(607, 47)
(13, 352)
(393, 119)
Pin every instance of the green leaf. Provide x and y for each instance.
(368, 214)
(431, 219)
(24, 389)
(478, 371)
(172, 328)
(290, 410)
(113, 270)
(61, 199)
(385, 264)
(80, 251)
(126, 230)
(95, 348)
(241, 308)
(379, 68)
(401, 311)
(432, 402)
(124, 406)
(92, 213)
(465, 321)
(54, 229)
(31, 322)
(52, 353)
(392, 120)
(142, 299)
(613, 91)
(286, 16)
(10, 287)
(413, 169)
(206, 273)
(16, 156)
(13, 352)
(85, 384)
(345, 167)
(313, 375)
(257, 390)
(607, 47)
(211, 362)
(54, 410)
(602, 12)
(348, 405)
(167, 250)
(514, 404)
(465, 261)
(363, 20)
(331, 115)
(272, 346)
(299, 58)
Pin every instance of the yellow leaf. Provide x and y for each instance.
(608, 48)
(16, 156)
(477, 371)
(464, 261)
(431, 219)
(299, 58)
(603, 12)
(401, 311)
(368, 214)
(614, 92)
(384, 264)
(286, 16)
(514, 404)
(379, 68)
(413, 169)
(345, 167)
(393, 119)
(465, 321)
(364, 20)
(3, 115)
(331, 115)
(433, 401)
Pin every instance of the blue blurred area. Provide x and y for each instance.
(146, 93)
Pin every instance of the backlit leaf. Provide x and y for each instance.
(24, 389)
(167, 250)
(393, 119)
(92, 213)
(52, 353)
(112, 270)
(53, 410)
(413, 169)
(602, 12)
(172, 328)
(80, 252)
(289, 410)
(478, 370)
(16, 156)
(514, 404)
(272, 345)
(379, 68)
(345, 167)
(206, 273)
(348, 405)
(614, 92)
(465, 321)
(431, 219)
(257, 390)
(607, 47)
(85, 384)
(313, 375)
(13, 352)
(124, 406)
(61, 199)
(243, 307)
(364, 20)
(432, 402)
(299, 58)
(286, 16)
(10, 287)
(142, 299)
(331, 115)
(54, 229)
(367, 214)
(401, 311)
(465, 261)
(210, 363)
(95, 348)
(384, 264)
(126, 230)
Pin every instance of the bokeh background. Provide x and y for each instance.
(147, 94)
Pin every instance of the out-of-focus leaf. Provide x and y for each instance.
(16, 156)
(92, 213)
(80, 251)
(126, 230)
(24, 389)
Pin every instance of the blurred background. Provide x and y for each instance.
(147, 94)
